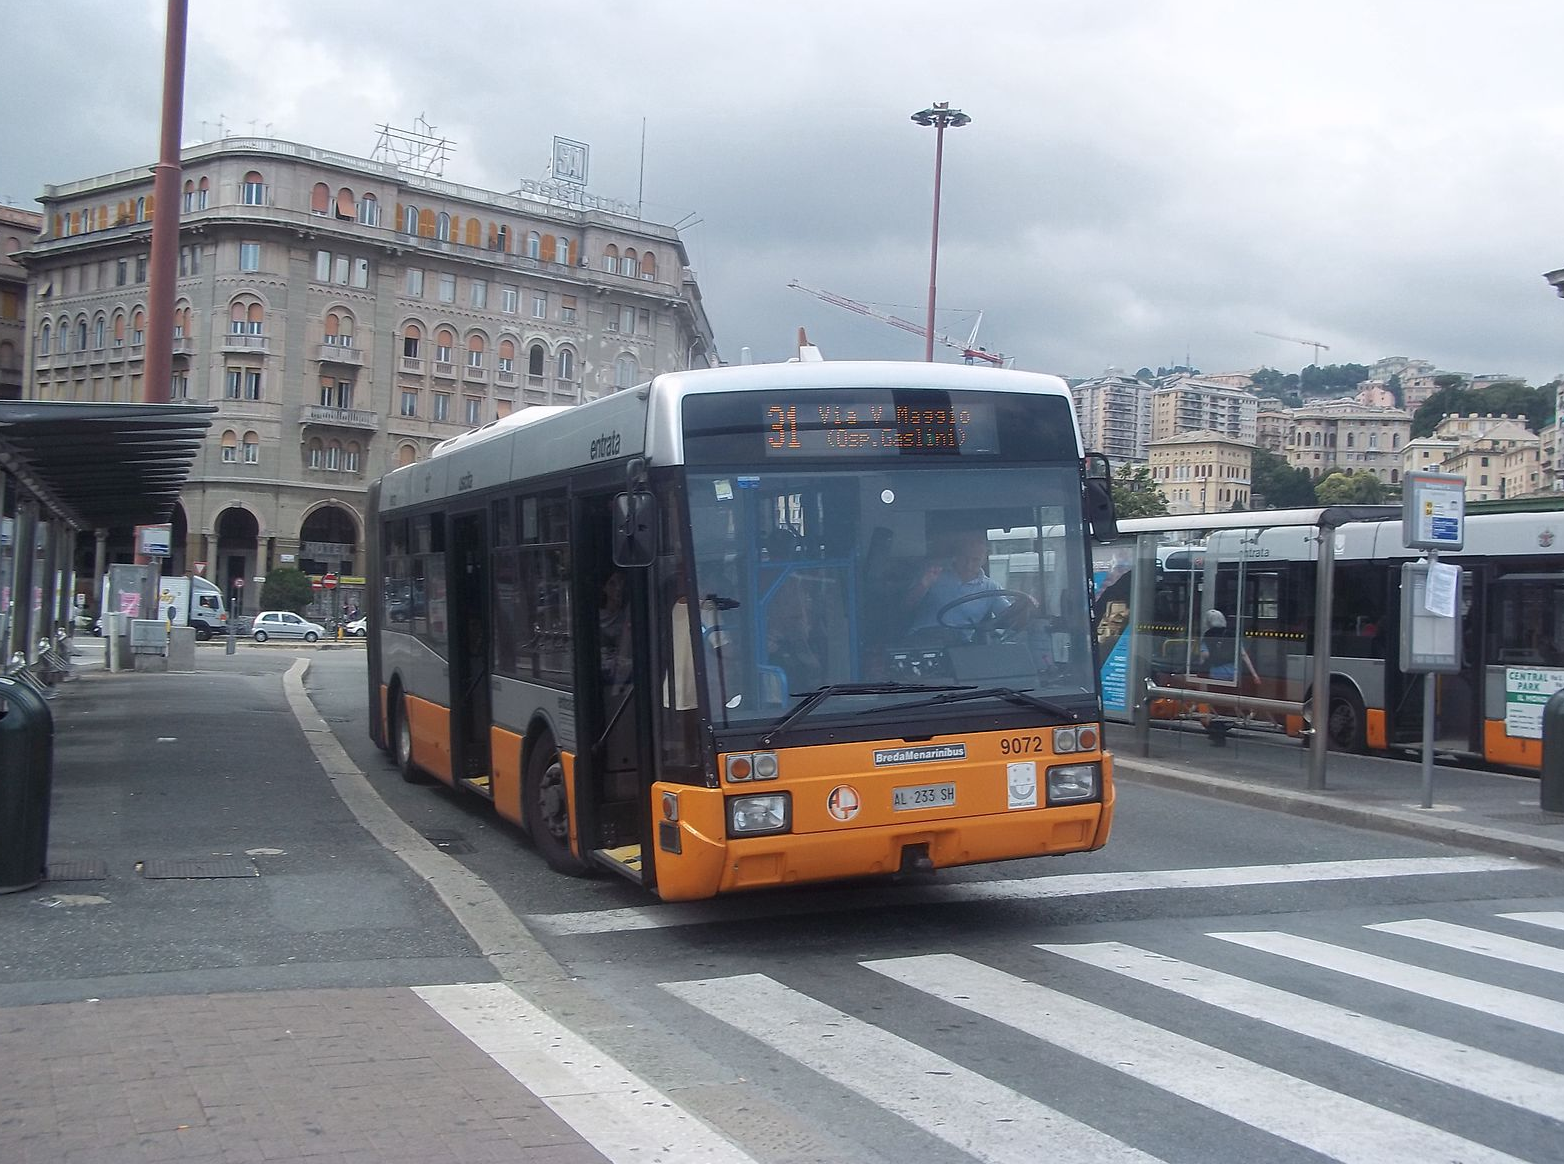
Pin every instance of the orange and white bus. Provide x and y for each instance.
(1260, 571)
(673, 633)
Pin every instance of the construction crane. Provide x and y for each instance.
(1292, 339)
(969, 350)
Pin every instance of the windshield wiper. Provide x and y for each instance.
(813, 699)
(1023, 698)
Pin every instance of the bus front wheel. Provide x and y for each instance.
(546, 808)
(402, 743)
(1344, 725)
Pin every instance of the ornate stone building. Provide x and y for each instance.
(345, 315)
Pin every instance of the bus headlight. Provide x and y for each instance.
(1073, 783)
(755, 816)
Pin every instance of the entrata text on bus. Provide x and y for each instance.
(756, 626)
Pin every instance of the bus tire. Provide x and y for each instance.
(203, 632)
(402, 743)
(1345, 727)
(546, 808)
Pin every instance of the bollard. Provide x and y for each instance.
(26, 770)
(1552, 791)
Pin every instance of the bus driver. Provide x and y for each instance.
(945, 581)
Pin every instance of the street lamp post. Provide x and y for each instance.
(939, 115)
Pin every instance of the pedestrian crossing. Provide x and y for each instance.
(1220, 1037)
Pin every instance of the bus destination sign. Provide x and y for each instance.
(870, 426)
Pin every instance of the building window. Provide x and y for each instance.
(180, 388)
(121, 272)
(43, 339)
(81, 334)
(539, 305)
(480, 293)
(442, 406)
(625, 372)
(510, 298)
(611, 259)
(567, 309)
(562, 250)
(316, 454)
(138, 330)
(249, 256)
(409, 402)
(187, 204)
(475, 351)
(253, 192)
(333, 456)
(409, 220)
(99, 333)
(415, 282)
(252, 449)
(611, 318)
(474, 410)
(141, 268)
(252, 384)
(567, 365)
(339, 270)
(368, 211)
(230, 448)
(443, 340)
(350, 458)
(535, 357)
(320, 199)
(322, 266)
(447, 288)
(627, 320)
(534, 245)
(410, 340)
(442, 229)
(202, 190)
(361, 272)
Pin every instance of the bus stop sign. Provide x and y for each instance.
(1433, 511)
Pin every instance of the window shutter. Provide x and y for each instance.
(547, 253)
(572, 252)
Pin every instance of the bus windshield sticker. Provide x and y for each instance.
(932, 754)
(724, 490)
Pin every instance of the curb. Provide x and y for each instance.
(1402, 822)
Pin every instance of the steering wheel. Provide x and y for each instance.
(1022, 604)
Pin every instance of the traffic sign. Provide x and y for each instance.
(238, 583)
(315, 584)
(329, 581)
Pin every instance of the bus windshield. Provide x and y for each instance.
(901, 581)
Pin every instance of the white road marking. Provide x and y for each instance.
(1314, 1117)
(620, 1115)
(1027, 889)
(1432, 1056)
(1498, 1001)
(1472, 941)
(1553, 919)
(986, 1120)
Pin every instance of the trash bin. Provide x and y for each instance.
(26, 770)
(1553, 753)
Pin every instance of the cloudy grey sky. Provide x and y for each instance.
(1142, 180)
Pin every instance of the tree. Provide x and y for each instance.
(287, 589)
(1275, 484)
(1135, 493)
(1347, 488)
(1449, 397)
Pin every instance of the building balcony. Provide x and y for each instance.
(505, 379)
(444, 371)
(472, 375)
(252, 344)
(340, 354)
(184, 345)
(413, 364)
(340, 417)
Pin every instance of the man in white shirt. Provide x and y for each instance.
(962, 574)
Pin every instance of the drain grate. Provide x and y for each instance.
(190, 869)
(449, 842)
(77, 871)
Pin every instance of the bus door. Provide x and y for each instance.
(612, 795)
(470, 646)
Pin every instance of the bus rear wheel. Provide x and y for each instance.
(546, 808)
(402, 743)
(1344, 725)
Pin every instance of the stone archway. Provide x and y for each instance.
(328, 540)
(237, 557)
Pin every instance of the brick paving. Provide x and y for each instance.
(348, 1076)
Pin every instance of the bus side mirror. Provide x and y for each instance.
(635, 523)
(1097, 497)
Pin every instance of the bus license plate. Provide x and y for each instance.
(923, 796)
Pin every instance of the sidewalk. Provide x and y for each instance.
(1489, 811)
(219, 968)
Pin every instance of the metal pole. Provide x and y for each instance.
(158, 374)
(939, 163)
(1428, 706)
(1319, 742)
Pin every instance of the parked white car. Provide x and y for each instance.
(358, 628)
(284, 624)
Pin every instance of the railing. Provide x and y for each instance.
(341, 417)
(242, 342)
(341, 354)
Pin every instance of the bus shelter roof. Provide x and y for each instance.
(1323, 517)
(102, 465)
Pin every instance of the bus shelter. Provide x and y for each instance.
(69, 469)
(1193, 618)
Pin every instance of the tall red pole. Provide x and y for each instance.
(939, 164)
(158, 368)
(939, 115)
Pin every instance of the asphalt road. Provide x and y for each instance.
(1220, 983)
